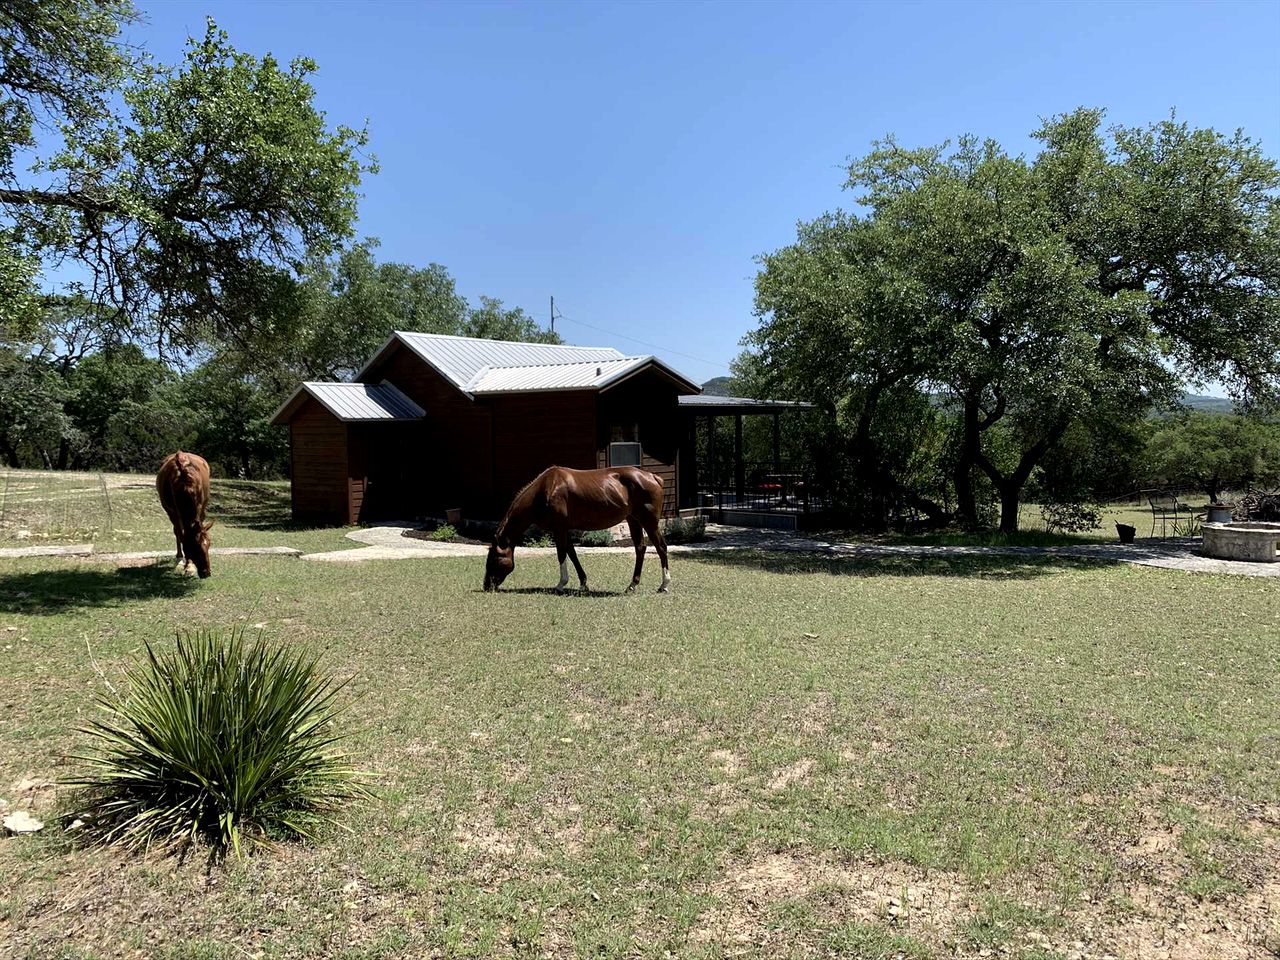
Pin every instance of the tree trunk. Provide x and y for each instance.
(1010, 498)
(64, 453)
(10, 454)
(966, 501)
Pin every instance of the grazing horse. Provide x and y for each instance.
(183, 485)
(560, 499)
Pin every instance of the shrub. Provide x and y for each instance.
(443, 532)
(1070, 517)
(685, 529)
(594, 538)
(222, 738)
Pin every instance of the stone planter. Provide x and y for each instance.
(1247, 540)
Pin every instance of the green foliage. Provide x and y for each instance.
(1084, 285)
(187, 195)
(33, 424)
(593, 538)
(230, 408)
(685, 529)
(443, 532)
(1216, 452)
(226, 739)
(1070, 517)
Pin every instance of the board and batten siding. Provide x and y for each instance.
(648, 403)
(454, 443)
(533, 431)
(318, 465)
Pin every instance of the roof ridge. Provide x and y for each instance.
(562, 363)
(517, 343)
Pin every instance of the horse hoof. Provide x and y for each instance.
(664, 589)
(630, 589)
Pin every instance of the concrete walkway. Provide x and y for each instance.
(387, 542)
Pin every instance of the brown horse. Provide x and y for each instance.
(183, 485)
(559, 500)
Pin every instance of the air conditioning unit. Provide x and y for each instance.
(624, 454)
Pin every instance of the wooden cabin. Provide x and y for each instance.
(435, 422)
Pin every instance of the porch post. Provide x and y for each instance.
(712, 486)
(739, 478)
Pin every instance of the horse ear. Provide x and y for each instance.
(209, 526)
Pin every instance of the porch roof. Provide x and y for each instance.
(704, 403)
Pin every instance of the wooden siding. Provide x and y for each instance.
(533, 431)
(649, 403)
(453, 444)
(318, 466)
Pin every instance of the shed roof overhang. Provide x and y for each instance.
(352, 403)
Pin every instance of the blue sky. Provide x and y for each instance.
(632, 159)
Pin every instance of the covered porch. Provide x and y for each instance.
(751, 477)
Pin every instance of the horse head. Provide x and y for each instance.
(499, 563)
(196, 547)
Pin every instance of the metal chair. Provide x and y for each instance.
(1165, 509)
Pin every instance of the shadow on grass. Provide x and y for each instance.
(256, 506)
(50, 592)
(989, 567)
(551, 592)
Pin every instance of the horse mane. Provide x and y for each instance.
(517, 501)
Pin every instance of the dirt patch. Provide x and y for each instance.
(797, 772)
(727, 762)
(928, 905)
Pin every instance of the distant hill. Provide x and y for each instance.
(719, 387)
(1208, 404)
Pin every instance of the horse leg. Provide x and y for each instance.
(660, 544)
(562, 548)
(577, 565)
(177, 536)
(637, 539)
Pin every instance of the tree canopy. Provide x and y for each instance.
(1084, 285)
(180, 200)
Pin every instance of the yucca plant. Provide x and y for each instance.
(226, 738)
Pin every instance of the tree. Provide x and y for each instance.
(186, 211)
(1215, 451)
(493, 321)
(33, 424)
(231, 408)
(106, 395)
(1086, 285)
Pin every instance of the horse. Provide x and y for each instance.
(561, 499)
(183, 485)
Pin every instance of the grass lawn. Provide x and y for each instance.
(785, 757)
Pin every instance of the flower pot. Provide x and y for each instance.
(1126, 532)
(454, 516)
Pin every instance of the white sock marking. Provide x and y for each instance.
(564, 574)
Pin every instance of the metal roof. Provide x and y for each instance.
(357, 401)
(708, 402)
(591, 375)
(460, 358)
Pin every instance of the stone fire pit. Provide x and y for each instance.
(1242, 540)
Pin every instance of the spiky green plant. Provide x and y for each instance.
(227, 738)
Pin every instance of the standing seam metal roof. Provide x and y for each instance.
(553, 376)
(462, 358)
(364, 401)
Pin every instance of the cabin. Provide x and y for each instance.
(435, 422)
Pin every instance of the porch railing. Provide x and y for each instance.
(762, 486)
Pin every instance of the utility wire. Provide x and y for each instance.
(645, 343)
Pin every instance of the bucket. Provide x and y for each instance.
(1218, 513)
(1126, 532)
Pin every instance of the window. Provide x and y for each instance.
(624, 454)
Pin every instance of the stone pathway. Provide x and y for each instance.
(387, 542)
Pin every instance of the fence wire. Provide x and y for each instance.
(40, 504)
